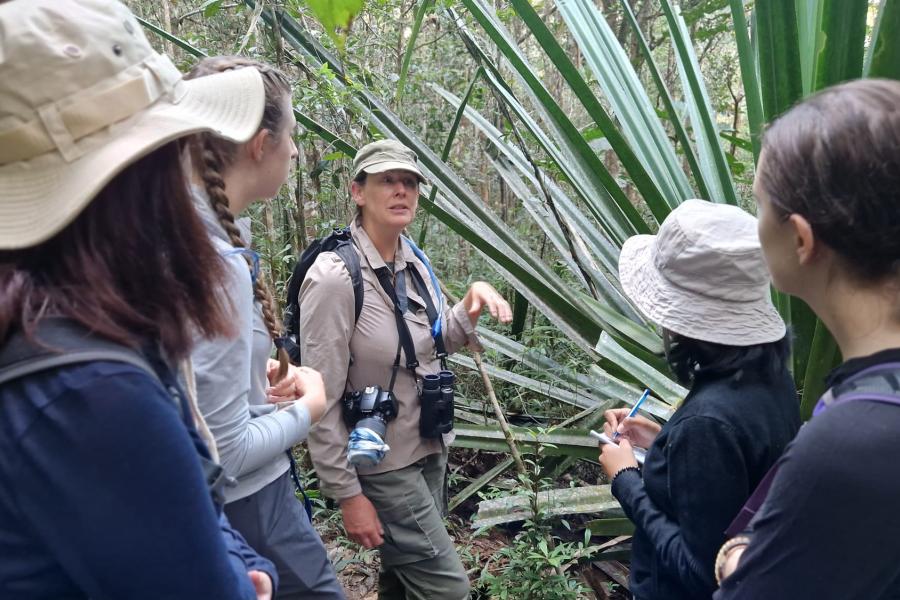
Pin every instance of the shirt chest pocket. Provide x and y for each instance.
(416, 315)
(420, 329)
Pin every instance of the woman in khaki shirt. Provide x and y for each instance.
(397, 504)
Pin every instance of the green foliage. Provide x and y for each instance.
(529, 569)
(424, 7)
(844, 31)
(883, 59)
(211, 8)
(535, 565)
(336, 16)
(779, 56)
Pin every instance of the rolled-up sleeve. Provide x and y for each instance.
(459, 330)
(327, 321)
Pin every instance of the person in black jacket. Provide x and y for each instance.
(828, 196)
(704, 281)
(107, 489)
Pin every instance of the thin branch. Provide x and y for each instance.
(253, 21)
(197, 11)
(498, 410)
(507, 432)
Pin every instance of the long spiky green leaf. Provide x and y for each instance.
(714, 166)
(651, 194)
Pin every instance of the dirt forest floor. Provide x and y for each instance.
(360, 578)
(357, 568)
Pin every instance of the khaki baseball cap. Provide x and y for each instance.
(82, 96)
(386, 155)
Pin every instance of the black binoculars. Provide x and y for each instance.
(437, 404)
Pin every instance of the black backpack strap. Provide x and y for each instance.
(340, 242)
(347, 253)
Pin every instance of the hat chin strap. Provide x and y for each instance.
(59, 125)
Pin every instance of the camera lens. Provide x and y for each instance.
(375, 424)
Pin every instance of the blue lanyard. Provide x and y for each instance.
(436, 327)
(254, 261)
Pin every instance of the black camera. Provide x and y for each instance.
(367, 413)
(437, 404)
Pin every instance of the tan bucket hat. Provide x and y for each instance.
(703, 276)
(386, 155)
(82, 96)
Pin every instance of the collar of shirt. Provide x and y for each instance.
(372, 259)
(403, 256)
(211, 221)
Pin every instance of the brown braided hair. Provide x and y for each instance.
(212, 155)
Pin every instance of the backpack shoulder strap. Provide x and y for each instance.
(753, 503)
(433, 317)
(62, 343)
(44, 363)
(347, 253)
(339, 242)
(880, 383)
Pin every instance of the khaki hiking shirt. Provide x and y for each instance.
(328, 340)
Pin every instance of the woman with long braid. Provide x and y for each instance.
(257, 408)
(108, 488)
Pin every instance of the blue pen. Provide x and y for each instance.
(634, 409)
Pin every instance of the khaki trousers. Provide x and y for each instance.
(418, 559)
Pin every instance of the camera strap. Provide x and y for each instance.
(433, 315)
(406, 342)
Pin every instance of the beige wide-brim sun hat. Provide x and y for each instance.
(49, 171)
(703, 276)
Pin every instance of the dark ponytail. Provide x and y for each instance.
(834, 160)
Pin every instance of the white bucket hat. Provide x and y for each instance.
(82, 96)
(703, 276)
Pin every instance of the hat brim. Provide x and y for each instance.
(393, 165)
(39, 197)
(688, 313)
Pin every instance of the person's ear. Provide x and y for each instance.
(805, 243)
(256, 146)
(356, 193)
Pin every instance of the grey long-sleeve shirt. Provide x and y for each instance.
(250, 434)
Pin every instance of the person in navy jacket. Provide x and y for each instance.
(703, 279)
(105, 481)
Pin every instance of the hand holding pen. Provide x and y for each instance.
(624, 422)
(622, 429)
